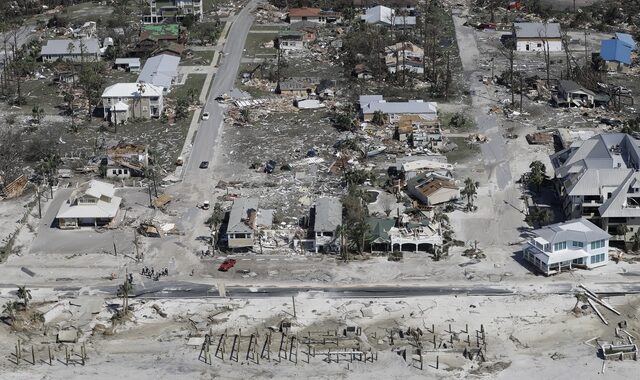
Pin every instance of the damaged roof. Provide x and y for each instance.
(328, 214)
(238, 217)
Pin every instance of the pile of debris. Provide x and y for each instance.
(266, 13)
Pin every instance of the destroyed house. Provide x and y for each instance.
(92, 204)
(370, 104)
(71, 50)
(433, 189)
(563, 246)
(316, 15)
(298, 86)
(597, 179)
(404, 56)
(309, 29)
(126, 160)
(291, 40)
(571, 94)
(537, 36)
(327, 217)
(245, 218)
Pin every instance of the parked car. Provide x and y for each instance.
(205, 116)
(226, 265)
(204, 164)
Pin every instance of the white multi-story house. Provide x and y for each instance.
(123, 101)
(327, 217)
(563, 246)
(162, 11)
(598, 179)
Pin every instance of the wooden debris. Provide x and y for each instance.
(593, 306)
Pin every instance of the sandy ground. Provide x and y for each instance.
(536, 336)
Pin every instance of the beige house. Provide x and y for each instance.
(433, 189)
(123, 101)
(92, 204)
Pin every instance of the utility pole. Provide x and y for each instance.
(521, 91)
(39, 206)
(586, 49)
(293, 298)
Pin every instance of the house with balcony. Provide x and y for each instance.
(327, 217)
(167, 11)
(245, 220)
(596, 180)
(92, 204)
(577, 243)
(123, 101)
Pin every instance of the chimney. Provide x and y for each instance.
(251, 218)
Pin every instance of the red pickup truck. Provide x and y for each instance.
(226, 265)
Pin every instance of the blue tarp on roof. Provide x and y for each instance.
(626, 39)
(615, 50)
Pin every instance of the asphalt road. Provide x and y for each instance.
(183, 290)
(223, 82)
(494, 151)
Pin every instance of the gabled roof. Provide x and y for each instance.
(537, 30)
(160, 70)
(129, 90)
(328, 214)
(607, 150)
(626, 39)
(615, 50)
(618, 204)
(385, 15)
(100, 209)
(571, 86)
(573, 230)
(61, 47)
(239, 214)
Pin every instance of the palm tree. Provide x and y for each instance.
(24, 294)
(470, 191)
(341, 233)
(123, 291)
(138, 97)
(10, 308)
(635, 241)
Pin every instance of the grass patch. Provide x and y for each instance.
(253, 45)
(464, 152)
(194, 81)
(258, 27)
(457, 122)
(198, 58)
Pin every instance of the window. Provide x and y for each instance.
(597, 244)
(560, 246)
(578, 244)
(597, 258)
(119, 171)
(539, 45)
(579, 261)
